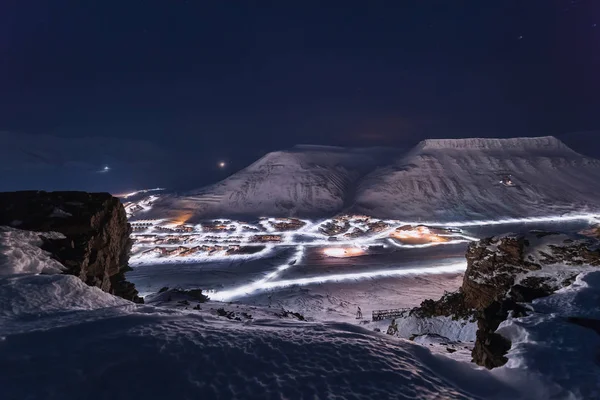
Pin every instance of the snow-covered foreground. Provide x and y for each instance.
(60, 339)
(549, 344)
(444, 180)
(146, 352)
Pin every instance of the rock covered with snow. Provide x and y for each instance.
(63, 339)
(21, 253)
(524, 266)
(502, 273)
(95, 241)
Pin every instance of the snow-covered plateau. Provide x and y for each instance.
(439, 180)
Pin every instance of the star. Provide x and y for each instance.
(222, 164)
(520, 37)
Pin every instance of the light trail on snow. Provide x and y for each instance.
(310, 235)
(424, 245)
(245, 290)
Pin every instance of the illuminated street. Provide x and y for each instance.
(256, 261)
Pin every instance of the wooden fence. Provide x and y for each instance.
(379, 315)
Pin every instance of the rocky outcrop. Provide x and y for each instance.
(504, 272)
(96, 246)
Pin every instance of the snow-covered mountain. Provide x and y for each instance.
(303, 181)
(440, 180)
(462, 178)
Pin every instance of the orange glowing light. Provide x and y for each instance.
(418, 235)
(343, 251)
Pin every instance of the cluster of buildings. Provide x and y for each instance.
(219, 226)
(419, 234)
(176, 229)
(352, 226)
(287, 224)
(207, 250)
(265, 238)
(334, 227)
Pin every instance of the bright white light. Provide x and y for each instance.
(222, 164)
(228, 295)
(343, 251)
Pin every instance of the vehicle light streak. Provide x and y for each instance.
(424, 245)
(228, 295)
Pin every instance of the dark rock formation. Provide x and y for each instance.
(96, 245)
(503, 272)
(451, 304)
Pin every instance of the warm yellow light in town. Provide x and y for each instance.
(343, 251)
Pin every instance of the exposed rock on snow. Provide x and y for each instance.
(557, 341)
(96, 244)
(503, 272)
(60, 338)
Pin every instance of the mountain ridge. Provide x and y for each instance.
(445, 179)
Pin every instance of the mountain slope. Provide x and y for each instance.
(304, 181)
(461, 178)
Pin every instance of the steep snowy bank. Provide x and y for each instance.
(553, 342)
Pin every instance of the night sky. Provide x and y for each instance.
(197, 82)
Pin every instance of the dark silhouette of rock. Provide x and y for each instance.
(96, 246)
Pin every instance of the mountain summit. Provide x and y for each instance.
(441, 180)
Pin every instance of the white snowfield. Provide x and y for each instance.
(442, 180)
(60, 339)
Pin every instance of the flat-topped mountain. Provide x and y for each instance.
(438, 180)
(482, 178)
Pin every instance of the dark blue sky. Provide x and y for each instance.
(231, 80)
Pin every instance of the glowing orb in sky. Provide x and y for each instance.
(222, 164)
